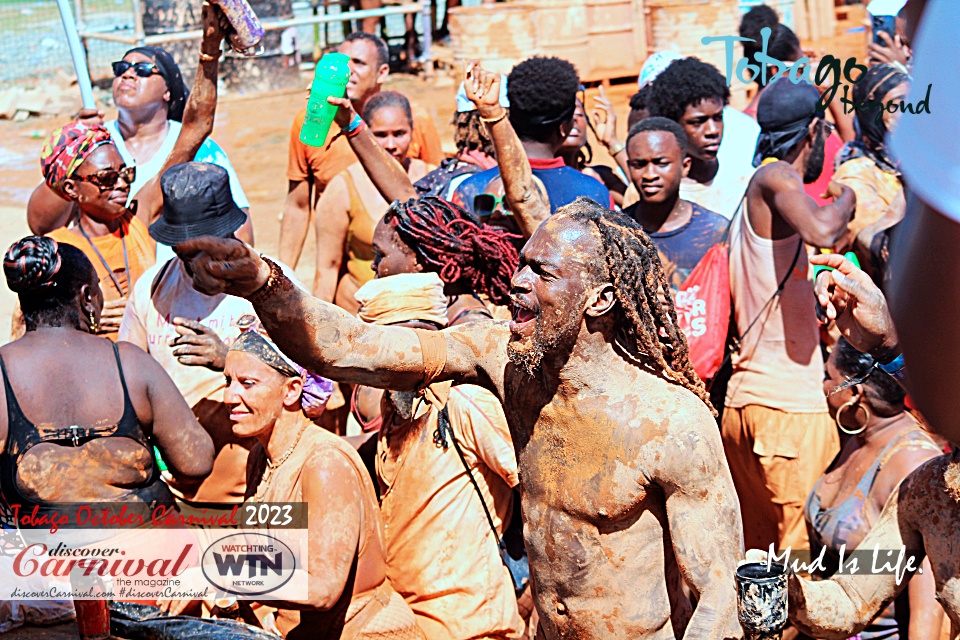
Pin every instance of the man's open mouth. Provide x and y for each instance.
(523, 319)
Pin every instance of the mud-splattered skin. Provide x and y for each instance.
(623, 478)
(921, 516)
(596, 471)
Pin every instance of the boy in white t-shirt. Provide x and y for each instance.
(694, 94)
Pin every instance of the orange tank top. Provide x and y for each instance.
(365, 213)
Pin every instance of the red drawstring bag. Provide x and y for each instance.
(703, 310)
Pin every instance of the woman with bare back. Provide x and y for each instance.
(90, 436)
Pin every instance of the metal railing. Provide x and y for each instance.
(139, 38)
(34, 49)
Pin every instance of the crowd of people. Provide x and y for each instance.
(494, 401)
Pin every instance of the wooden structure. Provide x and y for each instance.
(609, 39)
(602, 38)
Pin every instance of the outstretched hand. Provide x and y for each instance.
(893, 50)
(483, 89)
(835, 190)
(223, 265)
(198, 345)
(857, 305)
(90, 117)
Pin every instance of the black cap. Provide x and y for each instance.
(784, 113)
(197, 201)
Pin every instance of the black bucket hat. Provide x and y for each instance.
(197, 201)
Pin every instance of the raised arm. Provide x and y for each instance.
(843, 605)
(198, 113)
(46, 211)
(824, 226)
(328, 341)
(851, 299)
(520, 190)
(704, 520)
(387, 175)
(606, 131)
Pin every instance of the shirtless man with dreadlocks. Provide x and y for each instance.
(625, 490)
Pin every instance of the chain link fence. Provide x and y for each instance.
(33, 47)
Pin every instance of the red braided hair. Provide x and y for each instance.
(461, 250)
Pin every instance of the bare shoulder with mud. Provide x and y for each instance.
(930, 504)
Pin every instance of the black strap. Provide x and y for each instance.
(123, 380)
(443, 428)
(159, 276)
(738, 339)
(776, 294)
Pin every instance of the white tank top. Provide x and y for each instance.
(779, 364)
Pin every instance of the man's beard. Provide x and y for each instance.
(402, 402)
(530, 360)
(813, 167)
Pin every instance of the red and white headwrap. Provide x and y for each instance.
(66, 149)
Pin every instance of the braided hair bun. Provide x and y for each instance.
(32, 263)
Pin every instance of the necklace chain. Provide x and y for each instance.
(273, 466)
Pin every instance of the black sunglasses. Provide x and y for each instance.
(142, 69)
(107, 179)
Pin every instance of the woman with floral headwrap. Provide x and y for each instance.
(866, 164)
(82, 166)
(151, 99)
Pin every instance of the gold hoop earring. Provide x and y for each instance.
(855, 404)
(94, 327)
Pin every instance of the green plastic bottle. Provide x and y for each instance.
(161, 465)
(330, 79)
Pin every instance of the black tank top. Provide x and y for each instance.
(23, 435)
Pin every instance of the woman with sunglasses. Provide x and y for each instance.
(884, 445)
(84, 169)
(151, 98)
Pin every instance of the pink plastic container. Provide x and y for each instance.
(247, 30)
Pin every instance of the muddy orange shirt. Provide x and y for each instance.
(141, 254)
(322, 164)
(441, 554)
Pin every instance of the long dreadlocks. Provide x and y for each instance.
(648, 327)
(471, 256)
